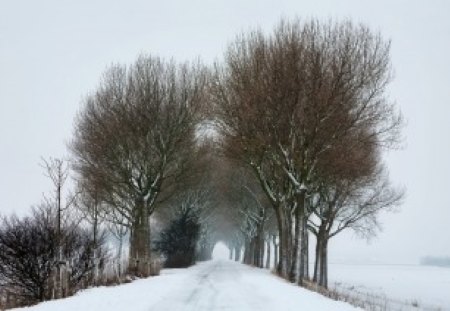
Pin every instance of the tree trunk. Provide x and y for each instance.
(59, 281)
(323, 281)
(317, 257)
(261, 250)
(284, 242)
(306, 250)
(119, 258)
(95, 238)
(259, 247)
(230, 256)
(303, 250)
(252, 252)
(139, 261)
(247, 252)
(304, 243)
(255, 252)
(275, 250)
(295, 246)
(237, 253)
(298, 245)
(268, 254)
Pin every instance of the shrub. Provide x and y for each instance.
(177, 243)
(29, 256)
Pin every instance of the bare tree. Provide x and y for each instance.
(135, 137)
(353, 204)
(57, 170)
(254, 213)
(117, 225)
(93, 213)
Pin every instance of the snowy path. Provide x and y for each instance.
(214, 285)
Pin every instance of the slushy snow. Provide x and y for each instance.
(209, 286)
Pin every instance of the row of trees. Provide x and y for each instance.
(302, 112)
(67, 242)
(305, 109)
(281, 139)
(134, 142)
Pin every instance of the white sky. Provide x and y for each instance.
(53, 52)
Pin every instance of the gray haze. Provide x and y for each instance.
(52, 53)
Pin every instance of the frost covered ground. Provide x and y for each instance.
(209, 286)
(401, 285)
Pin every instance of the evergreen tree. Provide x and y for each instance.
(178, 241)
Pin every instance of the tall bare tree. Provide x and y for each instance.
(57, 170)
(135, 137)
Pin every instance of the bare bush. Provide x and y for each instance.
(29, 256)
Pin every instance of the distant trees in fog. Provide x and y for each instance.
(435, 261)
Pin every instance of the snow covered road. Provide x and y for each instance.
(209, 286)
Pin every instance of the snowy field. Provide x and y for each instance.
(209, 286)
(402, 285)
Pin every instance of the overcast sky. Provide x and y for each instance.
(53, 52)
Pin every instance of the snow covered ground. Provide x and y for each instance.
(424, 286)
(209, 286)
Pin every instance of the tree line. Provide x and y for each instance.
(280, 140)
(305, 109)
